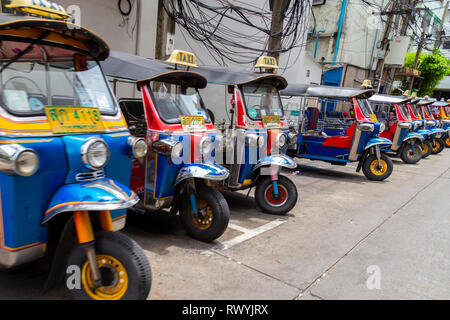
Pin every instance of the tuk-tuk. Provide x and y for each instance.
(393, 112)
(414, 114)
(179, 169)
(443, 115)
(435, 137)
(361, 142)
(256, 139)
(64, 153)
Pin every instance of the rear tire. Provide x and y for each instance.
(265, 199)
(213, 218)
(410, 157)
(371, 171)
(427, 147)
(123, 264)
(439, 145)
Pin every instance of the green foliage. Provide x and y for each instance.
(433, 67)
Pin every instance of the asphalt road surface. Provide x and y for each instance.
(347, 238)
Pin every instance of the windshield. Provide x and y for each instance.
(262, 100)
(28, 87)
(427, 111)
(404, 111)
(365, 107)
(173, 101)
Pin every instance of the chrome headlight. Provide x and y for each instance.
(177, 150)
(95, 154)
(405, 125)
(281, 140)
(137, 147)
(382, 128)
(293, 138)
(14, 158)
(205, 146)
(431, 123)
(252, 140)
(368, 127)
(416, 125)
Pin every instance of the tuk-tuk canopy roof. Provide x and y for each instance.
(121, 65)
(56, 37)
(388, 99)
(295, 89)
(338, 92)
(426, 102)
(231, 76)
(441, 103)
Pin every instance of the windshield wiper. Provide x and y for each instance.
(25, 51)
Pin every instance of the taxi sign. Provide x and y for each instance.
(74, 119)
(42, 8)
(193, 123)
(183, 58)
(271, 122)
(267, 63)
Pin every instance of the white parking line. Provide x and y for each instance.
(247, 234)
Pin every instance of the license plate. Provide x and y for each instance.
(74, 119)
(193, 123)
(374, 118)
(271, 122)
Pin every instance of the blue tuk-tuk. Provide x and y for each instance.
(360, 142)
(393, 112)
(180, 168)
(256, 139)
(64, 153)
(442, 109)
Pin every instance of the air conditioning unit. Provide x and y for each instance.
(318, 2)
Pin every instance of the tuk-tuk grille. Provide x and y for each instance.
(90, 176)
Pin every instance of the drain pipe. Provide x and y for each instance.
(340, 24)
(317, 42)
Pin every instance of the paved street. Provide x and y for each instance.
(343, 231)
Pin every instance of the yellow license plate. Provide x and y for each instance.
(74, 119)
(374, 118)
(193, 123)
(271, 121)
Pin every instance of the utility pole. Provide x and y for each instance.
(378, 74)
(165, 31)
(421, 45)
(437, 44)
(278, 8)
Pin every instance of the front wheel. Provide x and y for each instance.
(213, 215)
(279, 204)
(447, 141)
(438, 146)
(377, 172)
(124, 269)
(412, 153)
(427, 148)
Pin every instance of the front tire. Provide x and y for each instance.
(427, 148)
(438, 146)
(412, 155)
(280, 205)
(373, 172)
(213, 215)
(447, 141)
(126, 272)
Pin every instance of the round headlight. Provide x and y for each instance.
(382, 128)
(139, 148)
(261, 142)
(281, 140)
(95, 154)
(26, 163)
(205, 146)
(177, 150)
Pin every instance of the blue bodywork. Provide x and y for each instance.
(25, 200)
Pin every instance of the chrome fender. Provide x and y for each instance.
(382, 142)
(100, 195)
(413, 135)
(280, 160)
(207, 171)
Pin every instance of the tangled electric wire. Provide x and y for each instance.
(237, 33)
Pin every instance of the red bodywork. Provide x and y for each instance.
(156, 125)
(392, 127)
(411, 113)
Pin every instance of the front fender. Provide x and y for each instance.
(382, 142)
(100, 195)
(437, 131)
(413, 135)
(280, 160)
(207, 171)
